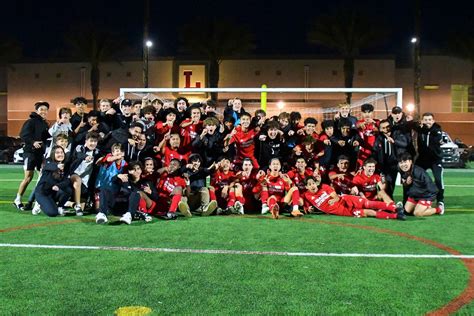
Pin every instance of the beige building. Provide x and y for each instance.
(446, 82)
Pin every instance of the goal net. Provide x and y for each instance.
(321, 103)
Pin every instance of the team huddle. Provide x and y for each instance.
(153, 158)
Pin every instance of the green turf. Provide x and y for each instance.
(84, 282)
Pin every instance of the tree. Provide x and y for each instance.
(346, 32)
(10, 50)
(94, 46)
(213, 40)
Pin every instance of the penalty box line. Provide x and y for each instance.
(239, 252)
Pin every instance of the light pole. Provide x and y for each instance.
(416, 74)
(146, 53)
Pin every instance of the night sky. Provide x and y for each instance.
(279, 27)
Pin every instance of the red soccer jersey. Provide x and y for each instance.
(320, 200)
(341, 186)
(368, 133)
(244, 143)
(167, 183)
(367, 185)
(173, 154)
(190, 132)
(221, 179)
(248, 183)
(161, 130)
(298, 178)
(276, 186)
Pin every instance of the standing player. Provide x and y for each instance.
(368, 129)
(34, 134)
(326, 200)
(243, 138)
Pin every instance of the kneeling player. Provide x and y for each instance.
(326, 200)
(419, 188)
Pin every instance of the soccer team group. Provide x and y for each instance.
(152, 158)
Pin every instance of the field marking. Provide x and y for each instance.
(240, 252)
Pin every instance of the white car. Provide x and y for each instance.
(451, 153)
(18, 156)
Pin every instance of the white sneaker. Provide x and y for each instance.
(101, 218)
(36, 209)
(239, 207)
(441, 208)
(265, 209)
(126, 218)
(60, 211)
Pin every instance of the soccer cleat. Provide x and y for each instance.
(18, 205)
(101, 218)
(296, 213)
(239, 207)
(265, 209)
(209, 208)
(28, 206)
(36, 209)
(126, 218)
(78, 210)
(401, 214)
(441, 208)
(275, 211)
(170, 216)
(183, 208)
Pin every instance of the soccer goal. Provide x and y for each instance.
(321, 103)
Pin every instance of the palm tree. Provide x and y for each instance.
(213, 40)
(94, 46)
(346, 31)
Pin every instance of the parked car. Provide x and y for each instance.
(466, 152)
(451, 153)
(8, 146)
(18, 156)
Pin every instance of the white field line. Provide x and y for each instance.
(241, 252)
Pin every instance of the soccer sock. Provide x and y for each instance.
(174, 202)
(241, 199)
(212, 195)
(264, 196)
(271, 202)
(231, 199)
(378, 205)
(18, 198)
(438, 210)
(385, 215)
(295, 198)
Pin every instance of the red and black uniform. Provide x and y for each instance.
(368, 134)
(245, 145)
(341, 186)
(189, 134)
(170, 154)
(276, 191)
(165, 186)
(218, 181)
(367, 185)
(347, 205)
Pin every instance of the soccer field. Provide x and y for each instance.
(248, 264)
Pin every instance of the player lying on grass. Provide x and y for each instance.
(325, 199)
(420, 189)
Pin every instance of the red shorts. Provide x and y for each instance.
(353, 206)
(421, 202)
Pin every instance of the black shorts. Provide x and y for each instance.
(32, 161)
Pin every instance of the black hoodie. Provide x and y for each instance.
(35, 129)
(429, 144)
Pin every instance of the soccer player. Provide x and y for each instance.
(243, 138)
(270, 145)
(34, 134)
(248, 179)
(340, 177)
(420, 189)
(367, 183)
(191, 127)
(277, 191)
(325, 199)
(368, 129)
(221, 183)
(210, 143)
(299, 173)
(430, 139)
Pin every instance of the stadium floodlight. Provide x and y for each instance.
(410, 107)
(280, 105)
(149, 43)
(414, 40)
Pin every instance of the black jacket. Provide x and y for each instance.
(35, 129)
(429, 144)
(51, 176)
(210, 147)
(387, 153)
(422, 186)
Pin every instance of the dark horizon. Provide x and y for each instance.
(278, 29)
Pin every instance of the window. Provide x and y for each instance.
(278, 72)
(257, 72)
(129, 74)
(360, 73)
(37, 75)
(462, 98)
(334, 72)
